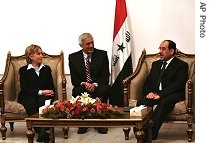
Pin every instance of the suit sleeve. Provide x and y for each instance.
(148, 84)
(50, 84)
(76, 78)
(102, 75)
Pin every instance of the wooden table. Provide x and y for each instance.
(124, 121)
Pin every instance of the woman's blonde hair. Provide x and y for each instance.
(30, 50)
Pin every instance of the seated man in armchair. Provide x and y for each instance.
(165, 84)
(89, 69)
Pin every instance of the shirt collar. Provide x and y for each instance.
(169, 60)
(85, 55)
(30, 66)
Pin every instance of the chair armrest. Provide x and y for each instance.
(6, 91)
(64, 87)
(190, 97)
(7, 85)
(1, 98)
(133, 84)
(61, 87)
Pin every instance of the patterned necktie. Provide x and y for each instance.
(161, 73)
(87, 65)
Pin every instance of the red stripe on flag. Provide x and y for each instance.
(120, 16)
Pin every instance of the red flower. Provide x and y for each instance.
(99, 108)
(46, 109)
(92, 110)
(89, 105)
(80, 107)
(78, 111)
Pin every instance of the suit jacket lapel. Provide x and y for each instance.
(158, 68)
(93, 60)
(81, 63)
(170, 66)
(32, 72)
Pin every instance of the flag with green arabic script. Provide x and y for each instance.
(121, 61)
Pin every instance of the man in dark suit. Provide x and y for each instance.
(167, 90)
(97, 84)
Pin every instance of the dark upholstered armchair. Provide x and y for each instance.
(184, 110)
(11, 110)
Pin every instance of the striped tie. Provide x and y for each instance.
(88, 78)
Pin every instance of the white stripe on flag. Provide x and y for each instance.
(120, 51)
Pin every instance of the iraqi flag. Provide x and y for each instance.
(121, 61)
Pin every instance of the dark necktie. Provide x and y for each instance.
(87, 65)
(161, 73)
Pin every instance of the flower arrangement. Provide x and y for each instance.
(81, 107)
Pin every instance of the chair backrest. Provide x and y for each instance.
(11, 75)
(136, 80)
